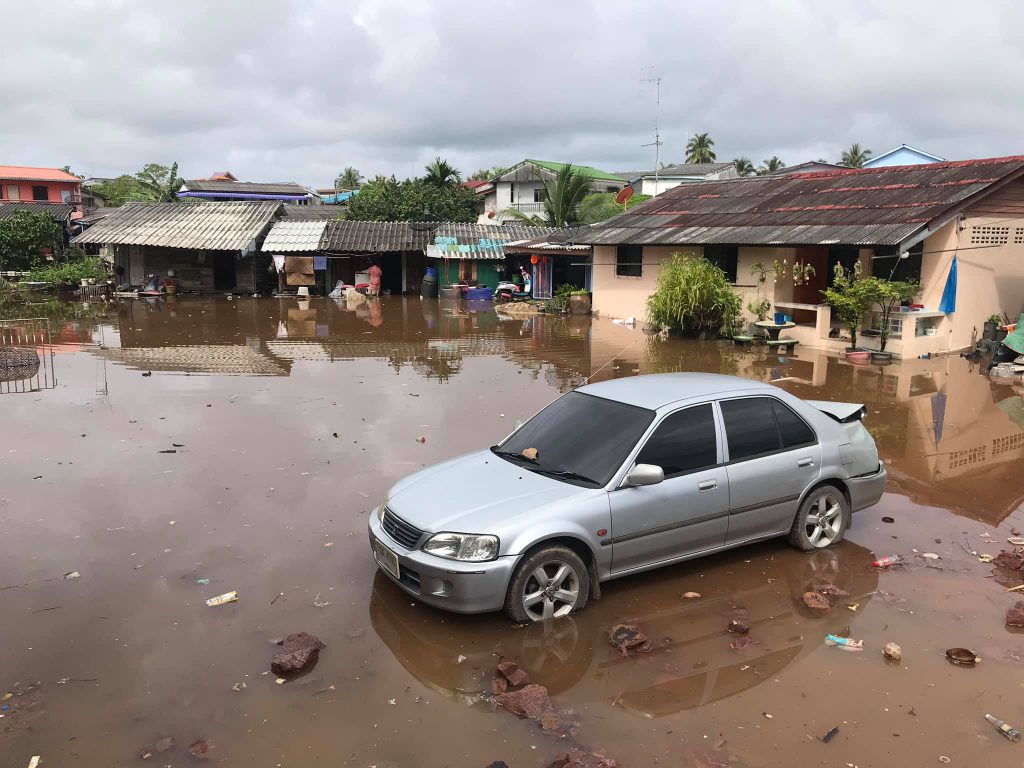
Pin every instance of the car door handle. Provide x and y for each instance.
(707, 485)
(805, 463)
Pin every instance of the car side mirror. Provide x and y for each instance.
(645, 474)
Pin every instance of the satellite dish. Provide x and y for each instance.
(624, 194)
(491, 214)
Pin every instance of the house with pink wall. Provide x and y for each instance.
(40, 185)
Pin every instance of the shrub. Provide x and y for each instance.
(694, 297)
(560, 301)
(70, 273)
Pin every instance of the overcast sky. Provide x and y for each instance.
(295, 91)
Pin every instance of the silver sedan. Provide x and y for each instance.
(621, 477)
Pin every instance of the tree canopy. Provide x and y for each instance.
(387, 199)
(348, 179)
(598, 206)
(743, 166)
(441, 173)
(486, 175)
(22, 238)
(771, 165)
(155, 183)
(855, 157)
(562, 199)
(699, 149)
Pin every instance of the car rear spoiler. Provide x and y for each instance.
(844, 413)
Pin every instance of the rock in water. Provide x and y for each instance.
(532, 702)
(817, 601)
(513, 673)
(298, 652)
(577, 758)
(1015, 616)
(892, 651)
(628, 639)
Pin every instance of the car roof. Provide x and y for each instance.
(656, 390)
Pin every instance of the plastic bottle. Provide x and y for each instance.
(1004, 728)
(885, 562)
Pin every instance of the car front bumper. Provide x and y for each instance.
(449, 584)
(866, 490)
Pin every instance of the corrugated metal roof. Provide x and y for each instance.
(289, 236)
(680, 169)
(321, 212)
(549, 242)
(505, 232)
(877, 206)
(373, 237)
(59, 211)
(209, 226)
(27, 173)
(244, 187)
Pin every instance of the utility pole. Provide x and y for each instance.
(656, 79)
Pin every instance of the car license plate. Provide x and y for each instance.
(386, 559)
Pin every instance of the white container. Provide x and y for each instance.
(930, 332)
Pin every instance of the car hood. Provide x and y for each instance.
(475, 493)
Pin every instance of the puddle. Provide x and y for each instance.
(249, 394)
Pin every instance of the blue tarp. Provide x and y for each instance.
(948, 303)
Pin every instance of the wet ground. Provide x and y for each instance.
(287, 423)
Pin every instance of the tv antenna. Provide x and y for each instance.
(656, 80)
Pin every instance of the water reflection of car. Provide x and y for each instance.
(620, 477)
(692, 662)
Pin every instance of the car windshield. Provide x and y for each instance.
(579, 438)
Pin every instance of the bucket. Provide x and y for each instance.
(780, 318)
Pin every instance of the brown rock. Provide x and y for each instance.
(498, 684)
(628, 639)
(199, 749)
(513, 673)
(1015, 616)
(577, 758)
(832, 593)
(1010, 560)
(298, 652)
(532, 702)
(738, 627)
(817, 601)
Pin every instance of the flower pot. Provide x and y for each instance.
(858, 356)
(579, 304)
(171, 289)
(1000, 334)
(881, 357)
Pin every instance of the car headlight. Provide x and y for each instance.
(463, 546)
(383, 504)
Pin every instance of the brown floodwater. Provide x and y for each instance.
(289, 420)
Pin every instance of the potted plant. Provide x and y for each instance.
(886, 295)
(848, 302)
(992, 327)
(760, 310)
(579, 302)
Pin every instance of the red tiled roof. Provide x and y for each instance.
(870, 206)
(26, 173)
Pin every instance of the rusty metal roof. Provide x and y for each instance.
(290, 236)
(231, 226)
(875, 206)
(373, 237)
(506, 233)
(244, 187)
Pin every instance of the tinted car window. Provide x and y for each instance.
(683, 442)
(792, 429)
(749, 427)
(582, 434)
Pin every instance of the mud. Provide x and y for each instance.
(253, 392)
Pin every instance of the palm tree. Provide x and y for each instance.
(855, 157)
(486, 175)
(698, 149)
(441, 174)
(562, 199)
(743, 166)
(347, 179)
(771, 165)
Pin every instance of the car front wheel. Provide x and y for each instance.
(822, 520)
(548, 584)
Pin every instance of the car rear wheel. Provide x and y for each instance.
(822, 520)
(548, 584)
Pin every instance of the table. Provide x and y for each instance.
(773, 328)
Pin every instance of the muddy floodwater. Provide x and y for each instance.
(171, 451)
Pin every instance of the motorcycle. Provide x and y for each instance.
(509, 291)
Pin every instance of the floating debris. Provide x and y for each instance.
(227, 597)
(892, 651)
(962, 657)
(628, 639)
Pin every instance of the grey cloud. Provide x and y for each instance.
(297, 90)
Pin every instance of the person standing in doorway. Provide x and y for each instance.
(374, 272)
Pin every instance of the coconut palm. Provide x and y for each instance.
(347, 179)
(486, 175)
(441, 174)
(743, 166)
(855, 157)
(698, 149)
(562, 199)
(771, 165)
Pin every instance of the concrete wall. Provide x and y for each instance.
(54, 190)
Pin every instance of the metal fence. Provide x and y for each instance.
(26, 356)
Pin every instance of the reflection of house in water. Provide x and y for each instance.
(265, 337)
(26, 356)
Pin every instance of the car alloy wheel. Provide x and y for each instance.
(824, 522)
(551, 591)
